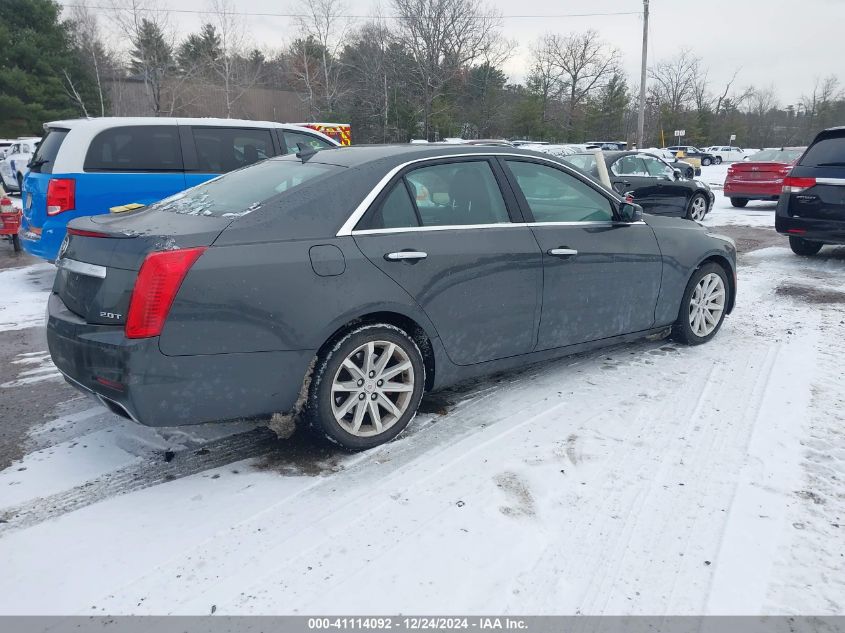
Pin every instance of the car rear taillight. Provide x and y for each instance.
(83, 233)
(61, 195)
(792, 184)
(158, 282)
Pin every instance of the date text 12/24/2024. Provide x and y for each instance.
(417, 623)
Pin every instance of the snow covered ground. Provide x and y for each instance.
(650, 478)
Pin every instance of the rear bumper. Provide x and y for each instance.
(753, 190)
(137, 380)
(44, 244)
(827, 231)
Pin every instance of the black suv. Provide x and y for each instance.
(811, 208)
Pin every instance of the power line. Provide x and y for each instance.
(356, 17)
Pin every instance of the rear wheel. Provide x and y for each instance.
(705, 162)
(16, 243)
(804, 247)
(697, 208)
(739, 202)
(703, 306)
(367, 388)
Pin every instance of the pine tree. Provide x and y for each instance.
(41, 76)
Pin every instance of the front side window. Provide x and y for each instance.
(221, 150)
(309, 140)
(657, 168)
(555, 196)
(135, 148)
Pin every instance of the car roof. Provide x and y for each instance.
(391, 155)
(102, 123)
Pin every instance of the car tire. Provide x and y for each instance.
(718, 160)
(349, 421)
(690, 173)
(16, 243)
(693, 327)
(20, 184)
(739, 203)
(697, 207)
(803, 247)
(705, 162)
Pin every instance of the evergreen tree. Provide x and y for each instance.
(41, 76)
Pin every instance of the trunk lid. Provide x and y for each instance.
(100, 259)
(759, 171)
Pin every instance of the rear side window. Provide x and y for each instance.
(220, 150)
(136, 148)
(397, 210)
(48, 149)
(828, 152)
(240, 192)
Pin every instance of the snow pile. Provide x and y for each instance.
(23, 295)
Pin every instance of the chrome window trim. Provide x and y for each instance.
(82, 268)
(356, 215)
(830, 181)
(500, 225)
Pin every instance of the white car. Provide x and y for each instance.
(726, 153)
(14, 166)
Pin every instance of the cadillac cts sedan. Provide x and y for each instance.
(342, 284)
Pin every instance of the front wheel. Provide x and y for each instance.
(718, 160)
(367, 388)
(703, 306)
(803, 247)
(705, 162)
(739, 202)
(697, 208)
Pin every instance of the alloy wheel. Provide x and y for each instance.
(372, 388)
(698, 208)
(707, 304)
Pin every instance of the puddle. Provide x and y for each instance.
(302, 455)
(810, 294)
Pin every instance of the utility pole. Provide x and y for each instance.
(641, 116)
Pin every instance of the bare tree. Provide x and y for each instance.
(90, 43)
(818, 104)
(674, 82)
(231, 67)
(585, 64)
(544, 76)
(321, 21)
(444, 37)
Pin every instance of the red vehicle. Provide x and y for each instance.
(760, 176)
(10, 221)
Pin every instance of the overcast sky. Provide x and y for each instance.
(784, 43)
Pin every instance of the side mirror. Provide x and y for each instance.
(677, 174)
(630, 212)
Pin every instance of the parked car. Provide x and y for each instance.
(811, 208)
(520, 142)
(651, 183)
(5, 143)
(352, 281)
(489, 141)
(339, 132)
(691, 151)
(761, 176)
(725, 153)
(607, 145)
(687, 168)
(555, 149)
(13, 166)
(88, 166)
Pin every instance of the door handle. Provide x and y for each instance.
(562, 252)
(400, 255)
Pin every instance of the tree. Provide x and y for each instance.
(443, 37)
(152, 59)
(585, 64)
(674, 85)
(199, 51)
(93, 52)
(39, 68)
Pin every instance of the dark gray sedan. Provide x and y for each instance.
(343, 284)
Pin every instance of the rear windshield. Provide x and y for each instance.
(244, 190)
(46, 152)
(828, 152)
(776, 156)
